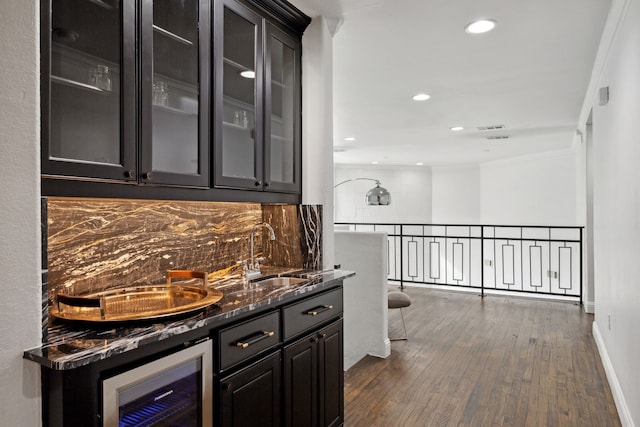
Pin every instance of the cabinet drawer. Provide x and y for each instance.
(311, 312)
(240, 342)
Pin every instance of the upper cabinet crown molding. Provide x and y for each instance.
(284, 13)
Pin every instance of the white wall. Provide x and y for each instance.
(317, 126)
(410, 189)
(532, 190)
(456, 195)
(20, 305)
(616, 194)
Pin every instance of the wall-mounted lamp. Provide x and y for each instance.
(377, 196)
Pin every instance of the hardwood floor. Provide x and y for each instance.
(497, 361)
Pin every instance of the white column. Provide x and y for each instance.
(317, 126)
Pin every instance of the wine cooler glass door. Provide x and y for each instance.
(172, 391)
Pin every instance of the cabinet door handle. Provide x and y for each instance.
(147, 176)
(318, 310)
(254, 339)
(258, 183)
(266, 184)
(129, 174)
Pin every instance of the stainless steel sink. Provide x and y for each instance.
(279, 281)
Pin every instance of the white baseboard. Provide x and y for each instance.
(614, 384)
(590, 307)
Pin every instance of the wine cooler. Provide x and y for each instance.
(174, 391)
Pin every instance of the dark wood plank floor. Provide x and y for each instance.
(497, 361)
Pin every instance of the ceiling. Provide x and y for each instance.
(529, 75)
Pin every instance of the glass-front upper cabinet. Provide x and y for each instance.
(103, 117)
(282, 124)
(88, 107)
(239, 135)
(257, 136)
(175, 92)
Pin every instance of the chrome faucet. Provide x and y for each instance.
(253, 269)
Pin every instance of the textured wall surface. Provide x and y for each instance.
(19, 215)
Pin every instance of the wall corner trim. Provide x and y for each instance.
(616, 389)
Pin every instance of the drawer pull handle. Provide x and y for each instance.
(319, 310)
(254, 339)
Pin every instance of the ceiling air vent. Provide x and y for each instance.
(497, 137)
(494, 127)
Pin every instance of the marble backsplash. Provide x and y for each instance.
(98, 244)
(310, 221)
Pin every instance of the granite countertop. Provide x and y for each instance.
(71, 345)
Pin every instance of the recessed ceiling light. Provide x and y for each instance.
(248, 74)
(456, 128)
(421, 97)
(350, 138)
(374, 163)
(419, 164)
(480, 26)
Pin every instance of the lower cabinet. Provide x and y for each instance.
(285, 367)
(314, 379)
(251, 397)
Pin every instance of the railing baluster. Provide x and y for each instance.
(401, 258)
(581, 266)
(482, 261)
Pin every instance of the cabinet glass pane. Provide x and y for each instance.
(282, 114)
(85, 81)
(175, 86)
(239, 88)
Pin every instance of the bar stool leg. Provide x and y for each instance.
(404, 327)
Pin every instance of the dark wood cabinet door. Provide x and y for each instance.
(174, 147)
(283, 137)
(330, 349)
(301, 382)
(314, 379)
(88, 89)
(238, 92)
(258, 102)
(251, 397)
